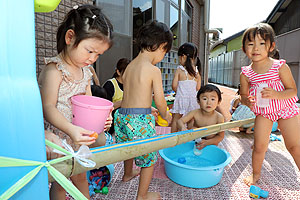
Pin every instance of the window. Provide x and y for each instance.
(161, 11)
(174, 24)
(119, 13)
(186, 22)
(175, 1)
(142, 13)
(186, 7)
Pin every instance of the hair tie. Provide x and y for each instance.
(75, 7)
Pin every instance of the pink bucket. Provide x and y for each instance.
(90, 112)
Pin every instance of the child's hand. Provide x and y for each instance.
(269, 93)
(154, 112)
(108, 122)
(203, 143)
(81, 136)
(251, 101)
(168, 117)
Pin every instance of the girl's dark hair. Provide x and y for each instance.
(276, 54)
(265, 31)
(98, 91)
(86, 21)
(151, 35)
(191, 52)
(239, 88)
(209, 88)
(121, 66)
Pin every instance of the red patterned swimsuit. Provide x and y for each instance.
(278, 108)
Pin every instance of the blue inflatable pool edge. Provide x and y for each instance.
(214, 160)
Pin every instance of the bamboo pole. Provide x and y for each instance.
(111, 154)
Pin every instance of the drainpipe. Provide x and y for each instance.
(208, 31)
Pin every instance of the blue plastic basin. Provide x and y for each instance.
(201, 171)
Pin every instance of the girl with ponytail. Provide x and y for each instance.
(186, 83)
(84, 34)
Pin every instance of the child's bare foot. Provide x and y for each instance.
(135, 172)
(251, 180)
(150, 196)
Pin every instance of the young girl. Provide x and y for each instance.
(259, 45)
(209, 97)
(186, 83)
(84, 34)
(236, 101)
(114, 86)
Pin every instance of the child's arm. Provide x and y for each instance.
(244, 92)
(50, 80)
(288, 82)
(54, 139)
(185, 119)
(95, 77)
(198, 78)
(117, 104)
(110, 90)
(175, 80)
(88, 89)
(159, 97)
(215, 139)
(235, 104)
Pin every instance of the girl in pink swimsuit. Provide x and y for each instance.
(259, 46)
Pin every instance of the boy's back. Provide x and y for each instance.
(133, 120)
(141, 79)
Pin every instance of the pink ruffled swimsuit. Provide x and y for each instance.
(278, 108)
(67, 89)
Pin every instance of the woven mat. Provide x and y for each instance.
(280, 175)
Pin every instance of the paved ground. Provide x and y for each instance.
(280, 175)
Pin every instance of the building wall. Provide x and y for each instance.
(217, 51)
(196, 22)
(288, 45)
(225, 69)
(235, 44)
(289, 20)
(198, 34)
(46, 25)
(287, 29)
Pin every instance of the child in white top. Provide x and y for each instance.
(186, 83)
(259, 45)
(241, 112)
(84, 34)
